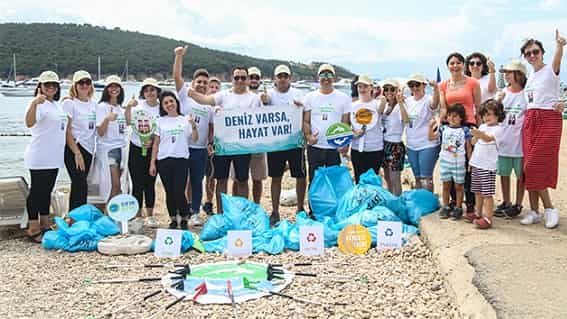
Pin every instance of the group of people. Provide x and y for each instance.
(475, 131)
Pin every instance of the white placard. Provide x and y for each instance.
(168, 243)
(239, 243)
(389, 235)
(311, 240)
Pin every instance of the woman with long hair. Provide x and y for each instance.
(478, 66)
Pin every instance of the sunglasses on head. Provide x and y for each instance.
(326, 75)
(477, 63)
(414, 84)
(50, 84)
(534, 52)
(240, 78)
(254, 77)
(85, 82)
(389, 89)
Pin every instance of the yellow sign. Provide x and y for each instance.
(354, 239)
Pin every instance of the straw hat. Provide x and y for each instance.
(514, 65)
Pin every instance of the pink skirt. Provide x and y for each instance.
(541, 138)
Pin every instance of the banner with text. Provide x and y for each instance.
(265, 129)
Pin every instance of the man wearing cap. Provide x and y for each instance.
(238, 98)
(284, 94)
(322, 108)
(203, 116)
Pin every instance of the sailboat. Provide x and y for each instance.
(14, 89)
(99, 83)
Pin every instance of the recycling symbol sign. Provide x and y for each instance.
(389, 232)
(311, 237)
(168, 241)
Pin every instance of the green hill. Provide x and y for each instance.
(70, 47)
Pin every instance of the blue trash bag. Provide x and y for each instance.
(215, 246)
(86, 212)
(54, 240)
(105, 226)
(368, 218)
(292, 239)
(84, 241)
(242, 214)
(368, 194)
(328, 186)
(271, 242)
(214, 228)
(418, 202)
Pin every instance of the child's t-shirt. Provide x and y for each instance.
(510, 141)
(453, 143)
(485, 154)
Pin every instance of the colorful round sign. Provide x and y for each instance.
(364, 118)
(339, 135)
(122, 208)
(354, 239)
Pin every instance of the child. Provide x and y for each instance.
(510, 154)
(483, 163)
(455, 146)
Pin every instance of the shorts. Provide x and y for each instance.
(258, 167)
(423, 161)
(483, 181)
(454, 170)
(506, 164)
(394, 156)
(294, 157)
(222, 166)
(115, 157)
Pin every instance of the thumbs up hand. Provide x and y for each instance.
(39, 98)
(133, 102)
(560, 40)
(180, 50)
(112, 116)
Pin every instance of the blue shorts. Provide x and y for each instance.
(454, 170)
(423, 161)
(115, 157)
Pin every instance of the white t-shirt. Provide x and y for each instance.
(278, 98)
(83, 122)
(47, 146)
(485, 154)
(152, 111)
(229, 100)
(393, 125)
(373, 138)
(484, 94)
(453, 143)
(174, 134)
(202, 115)
(115, 133)
(542, 89)
(417, 131)
(326, 109)
(510, 141)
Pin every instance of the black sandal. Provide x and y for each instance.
(37, 237)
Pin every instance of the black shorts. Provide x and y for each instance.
(241, 166)
(296, 159)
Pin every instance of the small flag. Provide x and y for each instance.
(438, 75)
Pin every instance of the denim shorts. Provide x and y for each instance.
(115, 157)
(423, 161)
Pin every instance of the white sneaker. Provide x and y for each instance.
(196, 220)
(551, 217)
(530, 218)
(152, 222)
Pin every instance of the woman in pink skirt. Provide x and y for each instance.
(542, 130)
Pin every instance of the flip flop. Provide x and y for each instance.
(34, 237)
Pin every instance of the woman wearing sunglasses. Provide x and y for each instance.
(394, 120)
(81, 110)
(541, 134)
(482, 69)
(44, 155)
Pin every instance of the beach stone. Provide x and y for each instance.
(125, 245)
(288, 197)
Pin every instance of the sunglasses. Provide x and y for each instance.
(85, 82)
(283, 76)
(534, 52)
(254, 77)
(389, 89)
(414, 84)
(50, 84)
(326, 75)
(475, 63)
(240, 78)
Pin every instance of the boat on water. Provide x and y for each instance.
(343, 84)
(17, 91)
(302, 85)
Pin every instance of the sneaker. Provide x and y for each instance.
(173, 224)
(530, 218)
(184, 225)
(470, 217)
(445, 212)
(274, 218)
(551, 217)
(457, 213)
(483, 223)
(500, 210)
(208, 208)
(196, 220)
(151, 222)
(513, 211)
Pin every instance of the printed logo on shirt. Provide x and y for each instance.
(512, 113)
(412, 118)
(325, 110)
(530, 93)
(174, 133)
(91, 118)
(63, 118)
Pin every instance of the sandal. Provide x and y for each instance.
(470, 217)
(483, 223)
(38, 236)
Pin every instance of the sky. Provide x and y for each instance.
(379, 38)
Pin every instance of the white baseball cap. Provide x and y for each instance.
(254, 70)
(48, 76)
(365, 79)
(282, 68)
(81, 74)
(113, 79)
(326, 67)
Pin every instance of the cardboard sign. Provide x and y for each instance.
(239, 243)
(122, 208)
(354, 239)
(168, 243)
(389, 235)
(312, 240)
